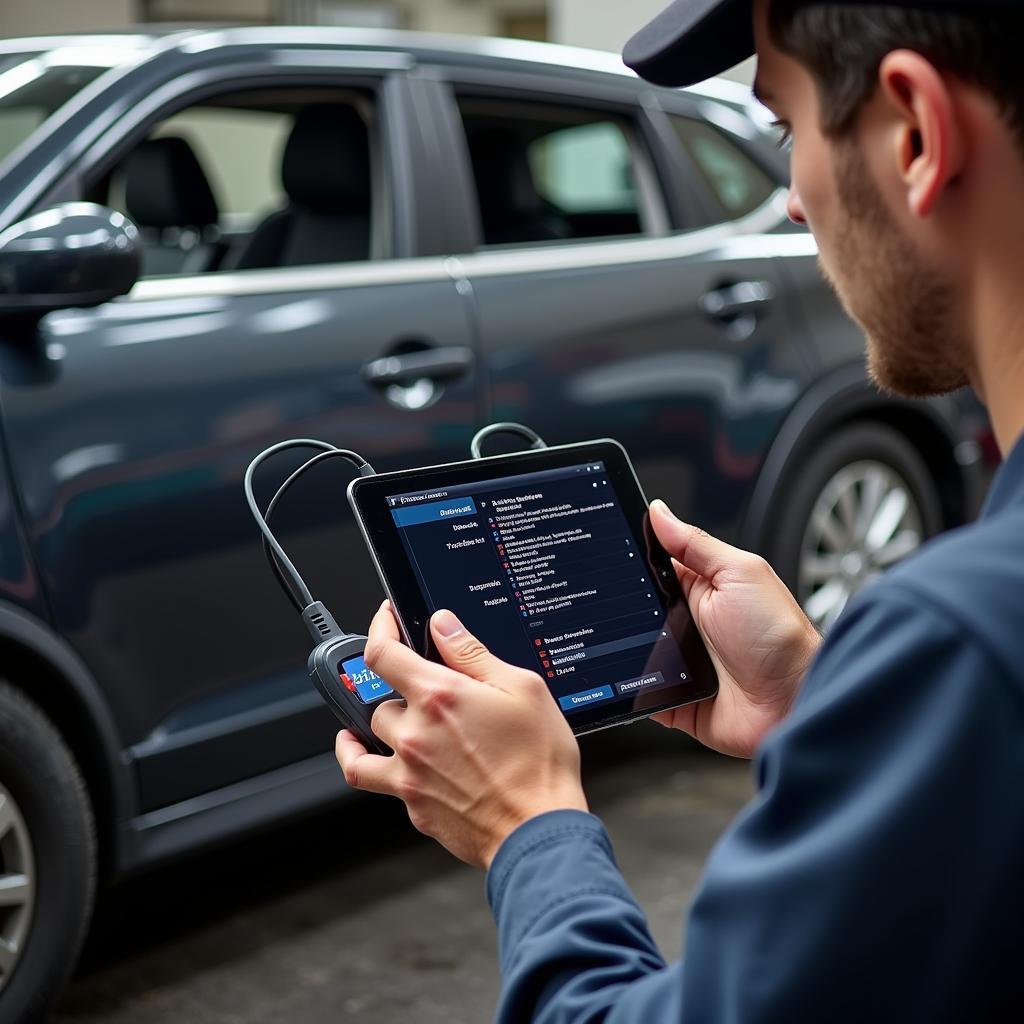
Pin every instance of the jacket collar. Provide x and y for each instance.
(1008, 485)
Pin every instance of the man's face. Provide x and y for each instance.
(883, 276)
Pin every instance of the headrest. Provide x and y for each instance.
(504, 179)
(165, 186)
(326, 165)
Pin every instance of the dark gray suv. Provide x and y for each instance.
(213, 240)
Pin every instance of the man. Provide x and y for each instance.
(879, 872)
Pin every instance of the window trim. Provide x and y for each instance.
(702, 176)
(627, 116)
(178, 93)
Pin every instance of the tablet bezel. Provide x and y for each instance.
(368, 498)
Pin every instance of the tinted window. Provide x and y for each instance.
(586, 168)
(550, 174)
(252, 180)
(240, 150)
(738, 184)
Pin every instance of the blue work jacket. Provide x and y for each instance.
(877, 875)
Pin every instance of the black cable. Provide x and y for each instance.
(287, 574)
(365, 469)
(476, 445)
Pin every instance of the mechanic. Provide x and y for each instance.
(878, 874)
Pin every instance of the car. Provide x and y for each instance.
(214, 239)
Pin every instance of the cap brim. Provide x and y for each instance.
(692, 40)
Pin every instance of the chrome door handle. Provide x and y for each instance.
(439, 365)
(745, 298)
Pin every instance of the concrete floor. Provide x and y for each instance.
(353, 914)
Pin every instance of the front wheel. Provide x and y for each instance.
(47, 860)
(861, 502)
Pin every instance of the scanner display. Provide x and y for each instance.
(544, 568)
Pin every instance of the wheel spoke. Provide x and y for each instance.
(820, 568)
(846, 506)
(872, 492)
(6, 815)
(887, 519)
(823, 601)
(8, 954)
(826, 529)
(903, 544)
(15, 890)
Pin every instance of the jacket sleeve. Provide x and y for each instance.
(886, 823)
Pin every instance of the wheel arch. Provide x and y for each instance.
(843, 397)
(40, 664)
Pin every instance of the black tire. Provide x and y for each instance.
(40, 774)
(812, 470)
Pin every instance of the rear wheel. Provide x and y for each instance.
(47, 860)
(861, 502)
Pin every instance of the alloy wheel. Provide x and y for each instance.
(865, 520)
(17, 884)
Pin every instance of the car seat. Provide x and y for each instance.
(511, 209)
(325, 171)
(169, 197)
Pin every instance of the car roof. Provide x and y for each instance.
(110, 49)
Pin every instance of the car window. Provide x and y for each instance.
(552, 174)
(240, 150)
(253, 180)
(738, 183)
(585, 168)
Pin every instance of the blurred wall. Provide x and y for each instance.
(27, 17)
(601, 24)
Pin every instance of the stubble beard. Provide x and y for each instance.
(907, 309)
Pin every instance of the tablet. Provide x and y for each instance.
(548, 557)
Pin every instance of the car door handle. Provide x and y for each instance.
(745, 298)
(440, 365)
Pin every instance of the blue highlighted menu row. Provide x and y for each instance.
(434, 512)
(585, 697)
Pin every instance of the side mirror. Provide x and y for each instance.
(75, 254)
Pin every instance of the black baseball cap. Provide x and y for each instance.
(694, 39)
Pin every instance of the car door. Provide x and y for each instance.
(131, 431)
(625, 306)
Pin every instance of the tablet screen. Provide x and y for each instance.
(547, 569)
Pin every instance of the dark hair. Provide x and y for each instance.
(843, 45)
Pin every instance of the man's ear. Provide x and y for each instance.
(927, 136)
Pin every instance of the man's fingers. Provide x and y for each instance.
(687, 578)
(369, 772)
(692, 547)
(384, 625)
(385, 720)
(464, 653)
(404, 670)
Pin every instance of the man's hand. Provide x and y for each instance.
(480, 746)
(759, 639)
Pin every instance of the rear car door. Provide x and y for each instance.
(271, 299)
(615, 296)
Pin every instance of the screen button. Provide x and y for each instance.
(638, 685)
(585, 697)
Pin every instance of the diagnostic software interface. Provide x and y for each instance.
(546, 571)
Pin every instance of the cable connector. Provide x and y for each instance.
(320, 622)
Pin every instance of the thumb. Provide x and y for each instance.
(698, 551)
(462, 651)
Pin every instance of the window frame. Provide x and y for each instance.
(594, 95)
(707, 210)
(376, 79)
